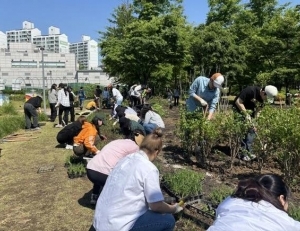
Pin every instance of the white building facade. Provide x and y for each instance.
(86, 52)
(26, 34)
(23, 64)
(3, 41)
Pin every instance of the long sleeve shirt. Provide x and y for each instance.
(52, 96)
(87, 137)
(63, 98)
(152, 117)
(201, 88)
(35, 101)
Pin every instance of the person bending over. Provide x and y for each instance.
(131, 198)
(99, 167)
(257, 204)
(67, 134)
(85, 142)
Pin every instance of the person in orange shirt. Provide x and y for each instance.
(92, 105)
(85, 142)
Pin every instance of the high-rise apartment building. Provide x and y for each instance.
(53, 42)
(26, 34)
(86, 52)
(3, 41)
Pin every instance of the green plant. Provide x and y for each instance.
(218, 194)
(43, 116)
(294, 212)
(184, 182)
(10, 124)
(8, 109)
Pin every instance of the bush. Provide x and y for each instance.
(8, 109)
(184, 182)
(10, 124)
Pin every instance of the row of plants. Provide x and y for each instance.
(277, 137)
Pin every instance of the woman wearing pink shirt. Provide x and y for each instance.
(99, 167)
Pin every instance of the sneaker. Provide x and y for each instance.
(249, 157)
(58, 126)
(35, 129)
(94, 198)
(69, 146)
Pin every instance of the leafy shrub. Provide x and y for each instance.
(218, 194)
(294, 212)
(8, 109)
(43, 117)
(10, 124)
(184, 182)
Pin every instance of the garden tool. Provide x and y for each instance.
(204, 109)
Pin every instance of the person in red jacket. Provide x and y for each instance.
(85, 142)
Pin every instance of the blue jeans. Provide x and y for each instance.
(152, 221)
(119, 101)
(248, 141)
(149, 127)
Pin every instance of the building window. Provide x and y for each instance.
(7, 54)
(85, 73)
(4, 74)
(25, 64)
(27, 74)
(70, 73)
(53, 64)
(62, 55)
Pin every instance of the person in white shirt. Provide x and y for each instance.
(258, 204)
(131, 198)
(63, 104)
(116, 94)
(151, 119)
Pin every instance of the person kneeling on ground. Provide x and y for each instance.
(92, 105)
(67, 134)
(151, 120)
(131, 198)
(99, 167)
(257, 204)
(85, 142)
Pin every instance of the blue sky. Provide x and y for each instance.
(79, 17)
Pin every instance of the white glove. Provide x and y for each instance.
(98, 152)
(178, 208)
(57, 105)
(248, 118)
(203, 102)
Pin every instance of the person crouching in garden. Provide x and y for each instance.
(248, 103)
(102, 164)
(151, 119)
(131, 198)
(127, 126)
(31, 108)
(85, 142)
(67, 134)
(204, 94)
(257, 204)
(92, 105)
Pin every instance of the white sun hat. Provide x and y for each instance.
(271, 92)
(218, 81)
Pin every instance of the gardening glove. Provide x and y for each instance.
(57, 105)
(248, 118)
(115, 122)
(98, 152)
(178, 208)
(203, 102)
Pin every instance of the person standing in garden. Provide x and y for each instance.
(116, 94)
(31, 108)
(52, 97)
(248, 103)
(131, 198)
(63, 104)
(205, 93)
(81, 97)
(257, 204)
(72, 97)
(97, 96)
(105, 98)
(176, 95)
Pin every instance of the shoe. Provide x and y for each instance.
(63, 123)
(94, 198)
(69, 146)
(249, 157)
(58, 126)
(35, 129)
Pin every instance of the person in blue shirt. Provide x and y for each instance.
(205, 93)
